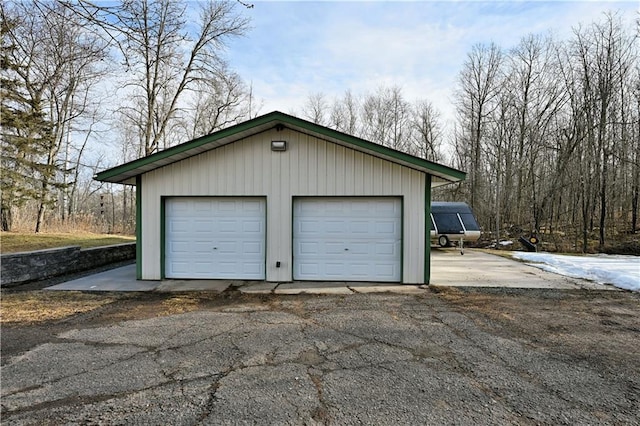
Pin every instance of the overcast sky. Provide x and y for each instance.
(296, 48)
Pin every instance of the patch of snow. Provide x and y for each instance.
(617, 270)
(505, 243)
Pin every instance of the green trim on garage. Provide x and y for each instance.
(139, 227)
(163, 232)
(427, 228)
(402, 239)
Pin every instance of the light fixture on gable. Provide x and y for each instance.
(278, 145)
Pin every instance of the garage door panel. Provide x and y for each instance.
(203, 226)
(179, 247)
(251, 247)
(334, 227)
(227, 247)
(230, 226)
(387, 208)
(226, 205)
(334, 208)
(202, 206)
(307, 248)
(388, 270)
(346, 238)
(360, 270)
(179, 206)
(177, 226)
(201, 267)
(332, 248)
(212, 238)
(228, 268)
(360, 248)
(252, 268)
(252, 226)
(180, 267)
(199, 248)
(359, 227)
(386, 227)
(385, 249)
(308, 269)
(308, 226)
(252, 206)
(334, 270)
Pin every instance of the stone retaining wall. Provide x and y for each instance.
(18, 268)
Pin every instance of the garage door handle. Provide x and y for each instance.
(346, 249)
(215, 248)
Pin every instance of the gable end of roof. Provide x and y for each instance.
(125, 172)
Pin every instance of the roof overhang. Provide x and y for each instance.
(126, 173)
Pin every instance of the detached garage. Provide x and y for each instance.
(278, 198)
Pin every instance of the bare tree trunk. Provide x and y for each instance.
(41, 210)
(6, 218)
(634, 209)
(603, 201)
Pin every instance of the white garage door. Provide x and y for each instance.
(347, 239)
(215, 238)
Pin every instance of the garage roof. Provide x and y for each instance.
(127, 172)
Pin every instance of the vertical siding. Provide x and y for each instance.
(309, 167)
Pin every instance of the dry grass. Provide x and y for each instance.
(40, 306)
(13, 242)
(180, 304)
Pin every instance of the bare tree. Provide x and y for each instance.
(163, 56)
(344, 114)
(634, 151)
(385, 118)
(315, 108)
(535, 99)
(603, 54)
(218, 103)
(427, 131)
(479, 85)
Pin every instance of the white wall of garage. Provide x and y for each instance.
(309, 167)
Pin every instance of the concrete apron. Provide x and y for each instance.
(124, 279)
(448, 268)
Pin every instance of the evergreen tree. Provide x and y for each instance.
(25, 133)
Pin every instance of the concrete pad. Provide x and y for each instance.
(386, 288)
(117, 279)
(481, 269)
(216, 286)
(448, 268)
(258, 287)
(313, 288)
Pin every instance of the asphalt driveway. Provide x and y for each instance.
(481, 356)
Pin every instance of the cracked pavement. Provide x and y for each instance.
(357, 359)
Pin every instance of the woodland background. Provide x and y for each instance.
(548, 130)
